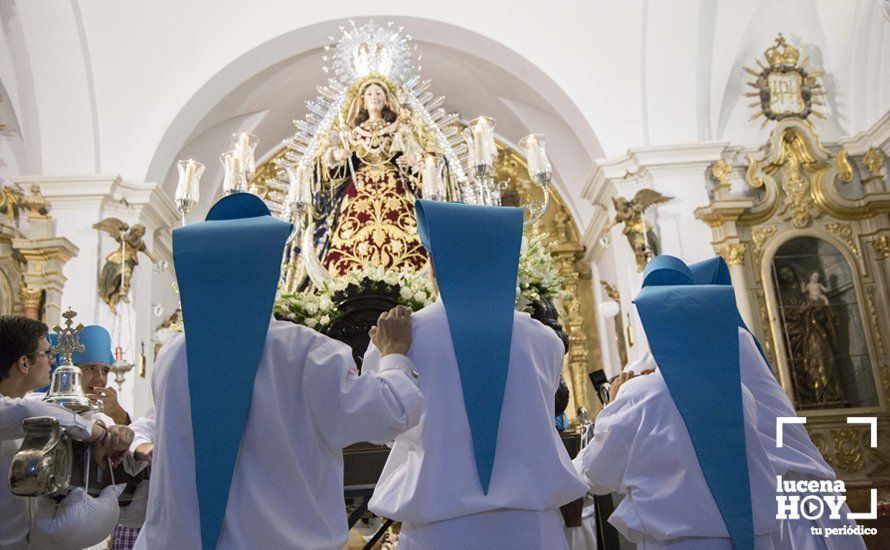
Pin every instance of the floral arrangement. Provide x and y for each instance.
(317, 308)
(538, 277)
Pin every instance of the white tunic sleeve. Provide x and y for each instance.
(603, 462)
(348, 408)
(13, 411)
(143, 430)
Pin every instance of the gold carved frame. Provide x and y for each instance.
(797, 190)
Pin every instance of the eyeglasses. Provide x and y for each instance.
(48, 354)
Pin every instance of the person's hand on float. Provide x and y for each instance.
(113, 445)
(621, 379)
(393, 331)
(144, 452)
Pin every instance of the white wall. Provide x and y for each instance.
(125, 88)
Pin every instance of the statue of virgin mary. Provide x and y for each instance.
(373, 164)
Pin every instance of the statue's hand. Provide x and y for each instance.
(340, 154)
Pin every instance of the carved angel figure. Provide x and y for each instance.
(114, 282)
(639, 233)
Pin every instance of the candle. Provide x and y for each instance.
(430, 177)
(243, 148)
(189, 173)
(186, 176)
(535, 154)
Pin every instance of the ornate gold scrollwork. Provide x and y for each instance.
(874, 162)
(720, 172)
(733, 253)
(30, 296)
(758, 238)
(844, 231)
(845, 172)
(882, 247)
(848, 448)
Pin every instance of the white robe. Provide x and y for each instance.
(15, 511)
(430, 482)
(287, 488)
(797, 459)
(641, 448)
(144, 430)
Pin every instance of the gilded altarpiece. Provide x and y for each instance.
(578, 315)
(806, 245)
(31, 256)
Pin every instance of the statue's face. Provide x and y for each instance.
(374, 98)
(786, 274)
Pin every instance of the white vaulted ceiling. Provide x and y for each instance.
(129, 87)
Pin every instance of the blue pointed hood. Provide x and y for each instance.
(714, 271)
(227, 268)
(693, 334)
(96, 346)
(475, 255)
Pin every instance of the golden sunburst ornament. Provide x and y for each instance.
(784, 88)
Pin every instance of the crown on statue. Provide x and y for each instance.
(782, 53)
(371, 49)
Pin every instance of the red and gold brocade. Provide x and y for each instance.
(376, 223)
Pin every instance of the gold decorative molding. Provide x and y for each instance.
(848, 449)
(733, 253)
(766, 327)
(720, 171)
(36, 203)
(758, 238)
(876, 329)
(874, 162)
(611, 291)
(844, 231)
(845, 169)
(882, 247)
(713, 219)
(30, 296)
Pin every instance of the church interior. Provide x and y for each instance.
(757, 131)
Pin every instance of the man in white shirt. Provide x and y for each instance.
(681, 443)
(485, 468)
(78, 520)
(272, 478)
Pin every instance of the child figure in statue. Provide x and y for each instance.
(814, 290)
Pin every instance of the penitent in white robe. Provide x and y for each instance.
(287, 488)
(16, 511)
(430, 482)
(641, 449)
(797, 458)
